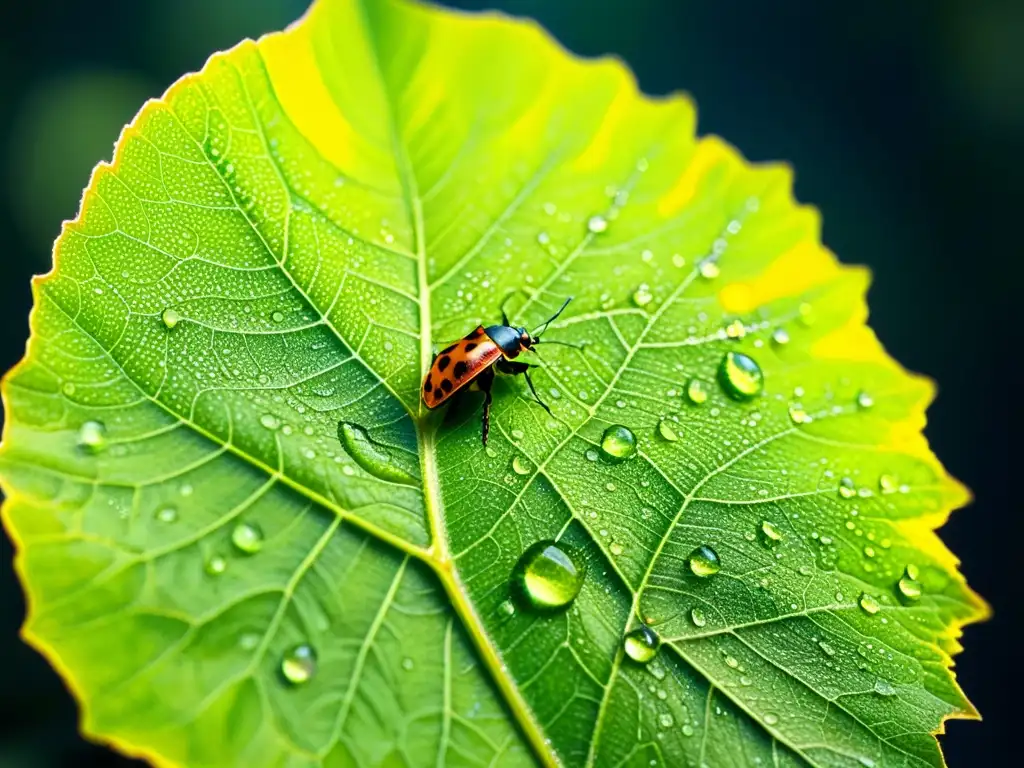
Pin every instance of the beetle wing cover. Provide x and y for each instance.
(457, 365)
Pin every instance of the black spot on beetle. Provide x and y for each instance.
(446, 385)
(460, 369)
(443, 362)
(438, 394)
(428, 385)
(471, 346)
(447, 350)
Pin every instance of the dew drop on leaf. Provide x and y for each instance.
(247, 538)
(847, 489)
(740, 376)
(216, 565)
(709, 269)
(371, 456)
(92, 436)
(642, 296)
(520, 466)
(869, 604)
(909, 587)
(735, 330)
(549, 575)
(770, 532)
(298, 665)
(167, 515)
(696, 392)
(888, 484)
(704, 561)
(884, 688)
(507, 608)
(771, 718)
(697, 617)
(170, 317)
(780, 336)
(597, 224)
(277, 317)
(269, 421)
(798, 415)
(641, 645)
(864, 400)
(667, 430)
(618, 443)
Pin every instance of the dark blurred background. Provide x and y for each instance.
(904, 122)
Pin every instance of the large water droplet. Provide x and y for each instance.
(888, 484)
(780, 336)
(641, 645)
(884, 688)
(171, 317)
(277, 317)
(736, 330)
(697, 617)
(864, 400)
(771, 534)
(709, 269)
(909, 587)
(270, 421)
(847, 488)
(618, 443)
(520, 466)
(798, 415)
(740, 376)
(704, 562)
(371, 456)
(696, 392)
(597, 224)
(248, 538)
(298, 665)
(549, 575)
(771, 718)
(667, 430)
(216, 565)
(92, 436)
(869, 604)
(642, 296)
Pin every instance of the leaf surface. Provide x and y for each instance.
(215, 451)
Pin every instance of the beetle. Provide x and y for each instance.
(476, 357)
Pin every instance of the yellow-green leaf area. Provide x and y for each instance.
(245, 541)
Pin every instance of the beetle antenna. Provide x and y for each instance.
(560, 343)
(544, 326)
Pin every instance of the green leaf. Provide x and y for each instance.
(245, 541)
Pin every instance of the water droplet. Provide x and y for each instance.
(867, 762)
(277, 317)
(597, 224)
(248, 538)
(667, 430)
(92, 436)
(807, 314)
(696, 392)
(697, 617)
(68, 388)
(864, 400)
(615, 548)
(704, 561)
(731, 661)
(846, 488)
(884, 688)
(827, 649)
(709, 269)
(408, 664)
(520, 466)
(771, 718)
(888, 484)
(248, 641)
(491, 453)
(298, 665)
(780, 336)
(641, 645)
(517, 434)
(909, 587)
(687, 730)
(642, 296)
(371, 456)
(798, 415)
(170, 317)
(591, 454)
(507, 608)
(167, 515)
(735, 330)
(270, 421)
(869, 604)
(665, 720)
(740, 376)
(618, 443)
(549, 575)
(216, 565)
(772, 535)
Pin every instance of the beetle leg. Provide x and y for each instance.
(533, 389)
(484, 381)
